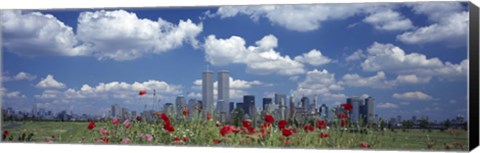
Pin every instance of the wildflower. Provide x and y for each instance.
(246, 123)
(104, 132)
(5, 133)
(115, 121)
(177, 140)
(127, 124)
(185, 138)
(287, 142)
(321, 124)
(142, 92)
(103, 140)
(342, 116)
(139, 118)
(91, 125)
(347, 107)
(228, 129)
(209, 116)
(323, 135)
(308, 128)
(216, 141)
(169, 128)
(185, 111)
(294, 130)
(125, 140)
(269, 118)
(149, 137)
(286, 132)
(218, 124)
(343, 123)
(282, 124)
(364, 145)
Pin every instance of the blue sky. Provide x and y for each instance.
(411, 57)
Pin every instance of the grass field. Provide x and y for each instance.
(206, 133)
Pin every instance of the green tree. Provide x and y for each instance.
(424, 124)
(237, 117)
(447, 124)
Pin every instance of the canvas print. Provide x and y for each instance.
(383, 76)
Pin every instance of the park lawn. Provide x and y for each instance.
(76, 132)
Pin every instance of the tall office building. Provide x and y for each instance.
(291, 106)
(370, 109)
(207, 92)
(305, 103)
(355, 112)
(231, 107)
(266, 103)
(248, 101)
(224, 92)
(116, 111)
(179, 104)
(323, 110)
(315, 104)
(279, 97)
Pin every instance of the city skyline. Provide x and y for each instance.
(335, 56)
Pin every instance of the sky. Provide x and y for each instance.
(411, 57)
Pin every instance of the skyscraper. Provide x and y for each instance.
(179, 104)
(231, 107)
(355, 113)
(266, 103)
(279, 97)
(370, 106)
(248, 101)
(291, 107)
(224, 91)
(323, 110)
(207, 92)
(305, 103)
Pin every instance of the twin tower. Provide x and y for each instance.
(223, 93)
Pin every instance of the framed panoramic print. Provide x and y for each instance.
(359, 76)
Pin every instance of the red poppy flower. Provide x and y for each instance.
(5, 133)
(185, 138)
(216, 141)
(308, 128)
(139, 118)
(342, 115)
(263, 132)
(104, 140)
(235, 129)
(169, 128)
(343, 123)
(251, 130)
(91, 125)
(323, 135)
(246, 123)
(294, 130)
(176, 139)
(269, 119)
(209, 116)
(347, 107)
(225, 130)
(185, 111)
(364, 145)
(286, 132)
(282, 124)
(142, 92)
(321, 124)
(115, 121)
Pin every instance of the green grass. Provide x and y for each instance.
(202, 133)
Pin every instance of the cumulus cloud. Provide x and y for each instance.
(412, 79)
(390, 58)
(98, 34)
(389, 20)
(123, 91)
(387, 105)
(413, 95)
(314, 57)
(33, 34)
(300, 17)
(377, 81)
(20, 76)
(320, 83)
(260, 59)
(449, 23)
(136, 37)
(50, 82)
(355, 56)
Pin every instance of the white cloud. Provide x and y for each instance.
(357, 55)
(50, 82)
(387, 105)
(452, 101)
(314, 57)
(320, 83)
(449, 23)
(376, 81)
(414, 95)
(135, 37)
(389, 20)
(98, 34)
(15, 94)
(125, 92)
(260, 59)
(300, 17)
(390, 58)
(412, 79)
(33, 34)
(19, 76)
